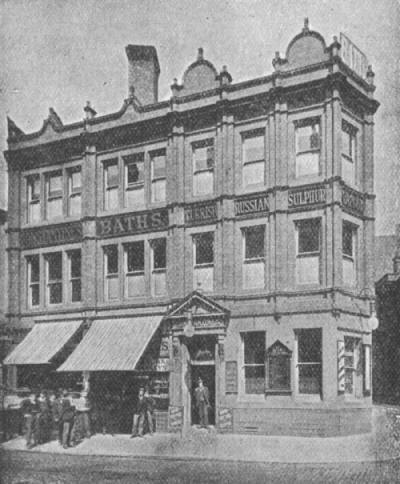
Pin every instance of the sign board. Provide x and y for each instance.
(231, 377)
(251, 205)
(132, 223)
(200, 212)
(51, 235)
(353, 201)
(306, 196)
(353, 57)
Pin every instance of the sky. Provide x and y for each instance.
(61, 53)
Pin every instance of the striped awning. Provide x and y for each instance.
(42, 343)
(112, 345)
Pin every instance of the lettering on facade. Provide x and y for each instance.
(132, 223)
(231, 377)
(205, 212)
(251, 205)
(306, 196)
(53, 235)
(353, 201)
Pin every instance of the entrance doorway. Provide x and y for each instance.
(207, 373)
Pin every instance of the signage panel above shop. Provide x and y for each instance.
(353, 201)
(132, 223)
(51, 235)
(251, 205)
(306, 196)
(201, 213)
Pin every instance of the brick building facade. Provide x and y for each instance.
(226, 233)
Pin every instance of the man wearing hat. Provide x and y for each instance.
(202, 399)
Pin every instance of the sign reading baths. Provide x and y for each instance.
(132, 223)
(306, 196)
(51, 235)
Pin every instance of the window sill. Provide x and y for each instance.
(308, 398)
(277, 392)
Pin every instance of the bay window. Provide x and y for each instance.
(352, 360)
(74, 191)
(33, 185)
(254, 362)
(134, 269)
(111, 290)
(349, 153)
(75, 274)
(54, 276)
(203, 255)
(309, 361)
(111, 184)
(349, 237)
(134, 180)
(158, 266)
(33, 266)
(308, 147)
(54, 192)
(308, 251)
(253, 158)
(158, 176)
(253, 268)
(203, 167)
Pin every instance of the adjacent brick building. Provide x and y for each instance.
(225, 233)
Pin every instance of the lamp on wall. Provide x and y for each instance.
(188, 330)
(373, 321)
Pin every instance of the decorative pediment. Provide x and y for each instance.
(278, 349)
(199, 305)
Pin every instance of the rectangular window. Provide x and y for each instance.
(54, 278)
(308, 148)
(308, 242)
(158, 176)
(111, 184)
(253, 157)
(309, 361)
(33, 280)
(134, 180)
(254, 362)
(54, 195)
(351, 363)
(203, 167)
(349, 153)
(349, 237)
(158, 266)
(75, 275)
(33, 183)
(74, 191)
(111, 290)
(253, 257)
(134, 269)
(203, 271)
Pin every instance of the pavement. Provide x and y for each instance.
(207, 444)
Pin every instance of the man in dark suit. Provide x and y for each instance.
(139, 415)
(202, 399)
(67, 419)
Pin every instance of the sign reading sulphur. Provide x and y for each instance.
(353, 57)
(306, 196)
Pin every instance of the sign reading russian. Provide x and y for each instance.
(251, 205)
(353, 57)
(132, 223)
(300, 197)
(201, 212)
(51, 235)
(353, 201)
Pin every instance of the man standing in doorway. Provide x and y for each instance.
(139, 415)
(202, 399)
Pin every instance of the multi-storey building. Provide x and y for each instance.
(225, 233)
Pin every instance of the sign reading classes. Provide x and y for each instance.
(251, 205)
(51, 235)
(132, 223)
(300, 197)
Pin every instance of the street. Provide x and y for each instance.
(19, 467)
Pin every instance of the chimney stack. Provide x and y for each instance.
(143, 73)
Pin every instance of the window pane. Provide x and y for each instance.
(308, 236)
(55, 185)
(34, 269)
(203, 183)
(75, 205)
(253, 149)
(34, 212)
(347, 239)
(34, 289)
(308, 138)
(254, 347)
(310, 379)
(254, 242)
(307, 164)
(159, 248)
(348, 171)
(111, 198)
(75, 181)
(279, 372)
(34, 188)
(112, 176)
(203, 278)
(55, 293)
(346, 144)
(159, 283)
(254, 379)
(75, 261)
(76, 290)
(204, 244)
(135, 285)
(111, 259)
(135, 257)
(307, 269)
(135, 173)
(203, 158)
(253, 274)
(309, 342)
(158, 166)
(54, 263)
(253, 173)
(54, 208)
(112, 289)
(158, 191)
